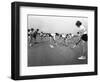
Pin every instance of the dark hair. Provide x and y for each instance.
(28, 34)
(78, 32)
(32, 29)
(70, 33)
(37, 29)
(78, 23)
(28, 30)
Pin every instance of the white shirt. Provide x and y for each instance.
(53, 36)
(63, 35)
(83, 29)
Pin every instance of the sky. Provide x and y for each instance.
(53, 24)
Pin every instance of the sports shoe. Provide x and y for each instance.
(51, 46)
(82, 58)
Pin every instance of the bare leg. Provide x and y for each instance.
(82, 57)
(51, 43)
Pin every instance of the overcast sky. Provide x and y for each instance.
(54, 24)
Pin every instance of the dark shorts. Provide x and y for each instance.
(84, 37)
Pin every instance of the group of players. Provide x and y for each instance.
(33, 34)
(81, 34)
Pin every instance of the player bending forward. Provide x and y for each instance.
(83, 38)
